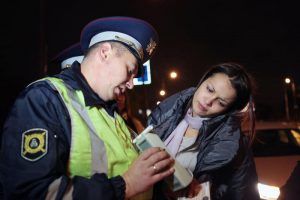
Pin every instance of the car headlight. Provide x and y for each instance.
(268, 192)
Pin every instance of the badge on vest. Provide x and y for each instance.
(34, 144)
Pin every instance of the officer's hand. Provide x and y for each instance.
(150, 167)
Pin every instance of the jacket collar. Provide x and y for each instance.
(74, 78)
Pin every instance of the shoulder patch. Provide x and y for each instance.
(34, 144)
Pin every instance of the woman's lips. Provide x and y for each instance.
(202, 108)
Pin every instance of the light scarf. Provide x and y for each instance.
(175, 138)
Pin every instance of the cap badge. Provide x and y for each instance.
(151, 46)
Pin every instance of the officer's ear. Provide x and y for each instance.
(105, 51)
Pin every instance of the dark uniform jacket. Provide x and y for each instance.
(224, 157)
(39, 106)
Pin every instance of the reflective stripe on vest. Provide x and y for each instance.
(100, 143)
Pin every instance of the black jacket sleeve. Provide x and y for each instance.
(243, 180)
(39, 107)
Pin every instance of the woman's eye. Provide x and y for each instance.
(209, 89)
(222, 104)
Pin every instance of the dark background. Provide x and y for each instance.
(264, 36)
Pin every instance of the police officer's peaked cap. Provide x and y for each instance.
(66, 57)
(136, 34)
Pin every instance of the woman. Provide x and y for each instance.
(124, 110)
(201, 128)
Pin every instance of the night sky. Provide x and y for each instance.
(264, 36)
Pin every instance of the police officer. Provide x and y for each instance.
(63, 137)
(65, 59)
(69, 55)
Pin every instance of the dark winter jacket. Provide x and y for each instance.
(40, 106)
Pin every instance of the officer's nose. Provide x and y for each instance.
(129, 84)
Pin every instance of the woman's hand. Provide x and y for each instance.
(191, 191)
(150, 167)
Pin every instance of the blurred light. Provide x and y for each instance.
(296, 136)
(148, 112)
(287, 80)
(158, 102)
(173, 75)
(162, 93)
(140, 111)
(268, 192)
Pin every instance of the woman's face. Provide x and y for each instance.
(214, 96)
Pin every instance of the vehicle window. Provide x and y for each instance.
(283, 136)
(276, 142)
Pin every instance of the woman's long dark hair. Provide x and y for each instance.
(243, 83)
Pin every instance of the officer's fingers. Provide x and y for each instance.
(149, 152)
(157, 157)
(162, 165)
(161, 175)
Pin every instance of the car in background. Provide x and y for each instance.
(276, 150)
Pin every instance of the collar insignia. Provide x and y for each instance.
(151, 46)
(34, 144)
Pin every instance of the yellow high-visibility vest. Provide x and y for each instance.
(99, 143)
